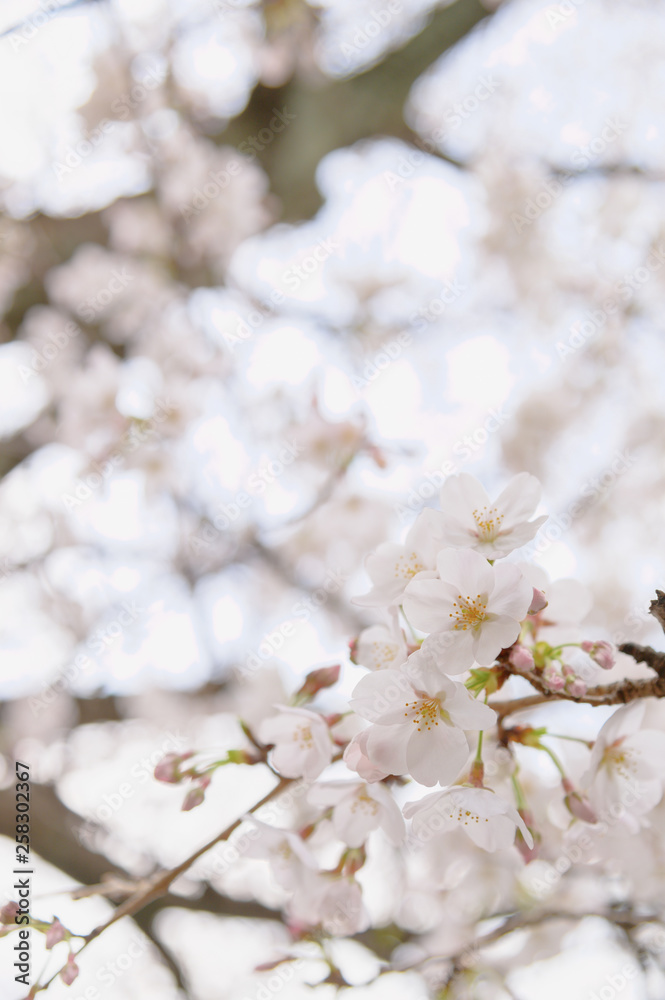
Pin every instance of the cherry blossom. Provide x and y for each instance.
(302, 745)
(487, 819)
(381, 646)
(356, 759)
(359, 808)
(287, 853)
(334, 903)
(480, 606)
(419, 721)
(493, 528)
(393, 566)
(627, 765)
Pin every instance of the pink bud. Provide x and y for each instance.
(577, 688)
(55, 934)
(554, 680)
(194, 798)
(168, 769)
(538, 602)
(521, 657)
(8, 912)
(316, 680)
(602, 652)
(70, 971)
(578, 804)
(528, 853)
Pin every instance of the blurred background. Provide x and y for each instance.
(269, 271)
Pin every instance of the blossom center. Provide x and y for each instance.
(384, 653)
(469, 612)
(621, 759)
(488, 523)
(427, 712)
(464, 816)
(408, 565)
(365, 803)
(303, 736)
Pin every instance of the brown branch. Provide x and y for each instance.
(619, 693)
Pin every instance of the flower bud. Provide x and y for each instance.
(577, 803)
(601, 652)
(194, 798)
(8, 912)
(538, 602)
(168, 768)
(521, 657)
(528, 853)
(70, 971)
(317, 680)
(553, 679)
(55, 934)
(576, 687)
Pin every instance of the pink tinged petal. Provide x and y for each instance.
(520, 498)
(460, 496)
(386, 747)
(467, 712)
(356, 759)
(512, 592)
(496, 634)
(427, 605)
(330, 793)
(426, 536)
(625, 721)
(436, 755)
(467, 570)
(392, 821)
(518, 535)
(646, 754)
(443, 652)
(355, 817)
(381, 697)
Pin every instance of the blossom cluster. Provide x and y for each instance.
(461, 618)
